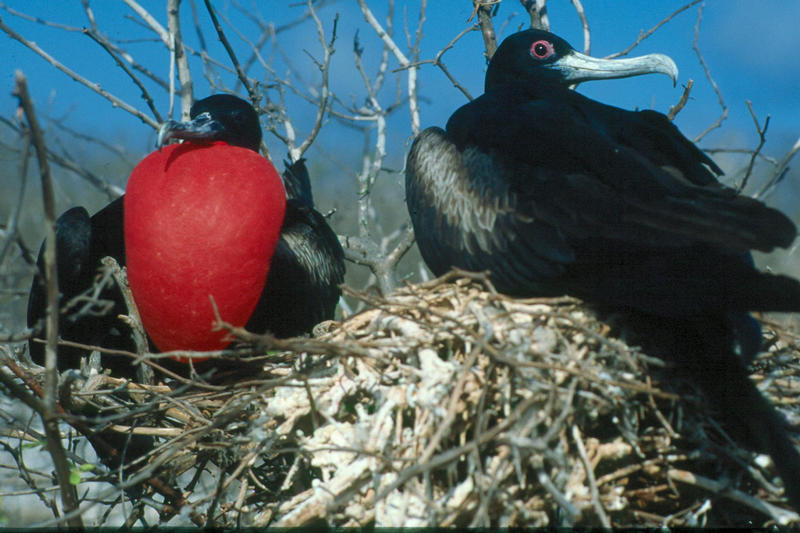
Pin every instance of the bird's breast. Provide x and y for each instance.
(201, 225)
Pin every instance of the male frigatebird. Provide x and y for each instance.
(555, 193)
(304, 272)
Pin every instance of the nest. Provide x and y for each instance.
(447, 404)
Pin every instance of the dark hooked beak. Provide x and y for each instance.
(202, 128)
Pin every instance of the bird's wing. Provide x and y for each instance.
(595, 171)
(304, 275)
(73, 238)
(108, 234)
(296, 181)
(465, 214)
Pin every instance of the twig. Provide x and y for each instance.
(675, 109)
(437, 60)
(587, 35)
(151, 22)
(175, 45)
(781, 516)
(587, 467)
(696, 49)
(324, 67)
(644, 35)
(780, 171)
(251, 92)
(484, 10)
(762, 132)
(537, 11)
(13, 217)
(134, 320)
(112, 191)
(105, 45)
(69, 495)
(401, 58)
(77, 77)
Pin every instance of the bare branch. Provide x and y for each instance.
(111, 190)
(675, 109)
(537, 11)
(644, 35)
(103, 42)
(717, 123)
(13, 217)
(175, 45)
(437, 61)
(251, 92)
(401, 58)
(587, 35)
(780, 171)
(761, 140)
(77, 77)
(485, 10)
(151, 22)
(587, 467)
(324, 67)
(69, 495)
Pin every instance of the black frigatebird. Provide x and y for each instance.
(555, 193)
(304, 272)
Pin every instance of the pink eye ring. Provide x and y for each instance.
(542, 49)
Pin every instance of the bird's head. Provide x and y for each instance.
(535, 57)
(220, 117)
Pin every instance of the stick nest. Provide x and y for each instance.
(448, 404)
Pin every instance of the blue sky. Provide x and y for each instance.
(750, 48)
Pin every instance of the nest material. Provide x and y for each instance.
(448, 404)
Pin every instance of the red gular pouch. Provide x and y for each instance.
(201, 222)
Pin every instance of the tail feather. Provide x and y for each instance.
(748, 414)
(702, 352)
(769, 292)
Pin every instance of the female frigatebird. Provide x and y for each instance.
(555, 193)
(178, 187)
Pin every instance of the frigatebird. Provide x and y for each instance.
(305, 270)
(554, 193)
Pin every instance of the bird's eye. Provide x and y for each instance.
(239, 116)
(542, 49)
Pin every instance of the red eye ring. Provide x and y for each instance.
(542, 49)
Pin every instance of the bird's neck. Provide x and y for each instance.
(516, 88)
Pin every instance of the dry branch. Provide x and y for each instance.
(449, 404)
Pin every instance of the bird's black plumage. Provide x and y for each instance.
(302, 286)
(81, 242)
(306, 269)
(555, 193)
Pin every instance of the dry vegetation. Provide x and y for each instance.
(440, 403)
